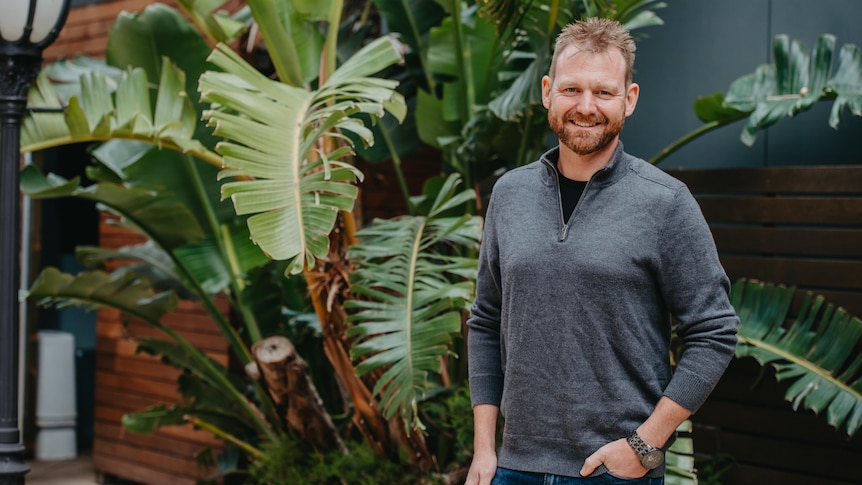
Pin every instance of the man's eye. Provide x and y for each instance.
(605, 93)
(571, 90)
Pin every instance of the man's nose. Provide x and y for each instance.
(586, 103)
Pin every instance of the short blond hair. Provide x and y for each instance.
(596, 35)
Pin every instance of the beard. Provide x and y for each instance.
(585, 143)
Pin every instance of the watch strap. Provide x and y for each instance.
(646, 452)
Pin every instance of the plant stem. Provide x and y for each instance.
(465, 78)
(421, 50)
(228, 256)
(694, 134)
(251, 450)
(204, 155)
(332, 38)
(280, 45)
(396, 164)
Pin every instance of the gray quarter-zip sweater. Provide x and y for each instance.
(570, 330)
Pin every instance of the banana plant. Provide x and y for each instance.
(414, 294)
(793, 84)
(114, 105)
(814, 351)
(150, 177)
(272, 128)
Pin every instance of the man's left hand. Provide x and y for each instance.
(618, 457)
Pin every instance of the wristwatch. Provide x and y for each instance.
(651, 457)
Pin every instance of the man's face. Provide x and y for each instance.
(588, 100)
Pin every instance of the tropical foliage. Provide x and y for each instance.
(817, 350)
(184, 126)
(793, 84)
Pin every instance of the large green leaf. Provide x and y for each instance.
(145, 260)
(93, 289)
(846, 83)
(795, 83)
(120, 107)
(144, 39)
(415, 288)
(204, 260)
(465, 51)
(525, 91)
(293, 189)
(177, 177)
(169, 225)
(817, 351)
(274, 22)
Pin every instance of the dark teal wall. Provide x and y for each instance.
(703, 47)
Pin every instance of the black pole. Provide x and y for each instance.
(16, 74)
(20, 62)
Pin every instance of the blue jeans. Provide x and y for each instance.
(505, 476)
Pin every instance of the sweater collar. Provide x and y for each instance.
(612, 172)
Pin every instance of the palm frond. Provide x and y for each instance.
(415, 288)
(817, 352)
(272, 130)
(112, 104)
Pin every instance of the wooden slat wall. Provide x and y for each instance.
(798, 226)
(127, 381)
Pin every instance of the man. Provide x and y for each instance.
(587, 253)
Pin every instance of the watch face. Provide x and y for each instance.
(652, 459)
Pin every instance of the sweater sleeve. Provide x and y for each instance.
(695, 288)
(483, 338)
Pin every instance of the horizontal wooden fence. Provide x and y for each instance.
(128, 381)
(798, 226)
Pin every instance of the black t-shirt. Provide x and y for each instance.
(570, 193)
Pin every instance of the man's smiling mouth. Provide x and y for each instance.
(585, 124)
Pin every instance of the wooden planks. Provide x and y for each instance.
(128, 381)
(798, 226)
(747, 419)
(796, 180)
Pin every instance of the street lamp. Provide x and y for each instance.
(26, 28)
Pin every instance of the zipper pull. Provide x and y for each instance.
(563, 232)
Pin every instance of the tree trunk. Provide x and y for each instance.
(286, 376)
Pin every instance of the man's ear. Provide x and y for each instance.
(632, 98)
(546, 92)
